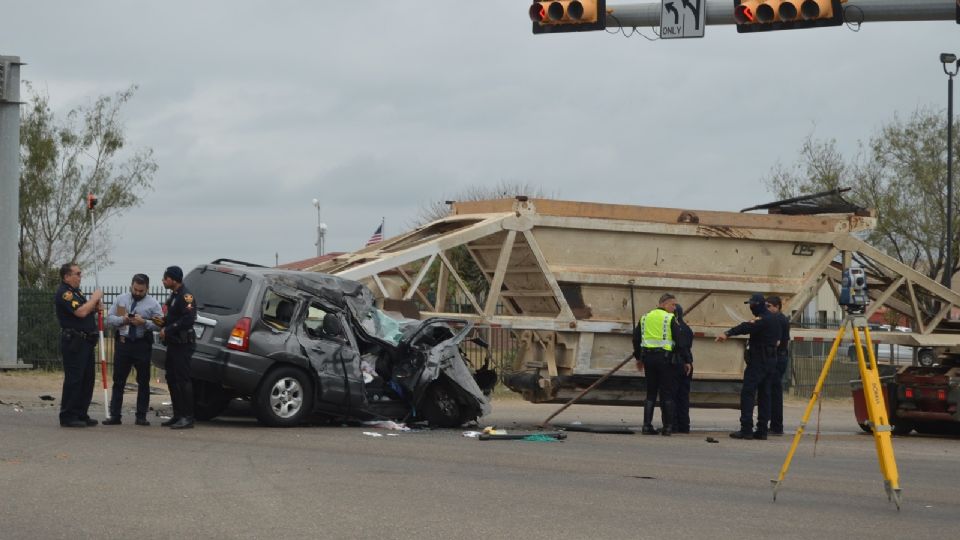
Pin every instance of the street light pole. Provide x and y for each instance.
(947, 59)
(321, 229)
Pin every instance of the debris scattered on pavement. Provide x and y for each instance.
(585, 428)
(372, 434)
(47, 397)
(387, 424)
(472, 434)
(551, 435)
(712, 440)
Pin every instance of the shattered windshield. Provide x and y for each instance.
(380, 325)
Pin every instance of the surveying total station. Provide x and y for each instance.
(854, 300)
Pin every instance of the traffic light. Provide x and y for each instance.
(568, 16)
(763, 15)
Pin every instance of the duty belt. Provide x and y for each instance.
(71, 333)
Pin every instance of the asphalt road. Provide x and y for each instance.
(234, 479)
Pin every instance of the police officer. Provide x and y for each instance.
(775, 306)
(178, 335)
(131, 315)
(78, 336)
(684, 351)
(764, 331)
(653, 345)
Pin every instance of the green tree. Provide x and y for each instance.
(63, 161)
(900, 172)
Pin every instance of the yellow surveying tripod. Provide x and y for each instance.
(876, 407)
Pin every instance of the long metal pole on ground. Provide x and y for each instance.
(9, 206)
(720, 12)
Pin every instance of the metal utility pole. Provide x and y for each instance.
(321, 229)
(854, 11)
(9, 206)
(946, 59)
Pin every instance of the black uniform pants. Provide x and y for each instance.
(682, 413)
(128, 355)
(662, 375)
(178, 378)
(78, 377)
(776, 391)
(756, 384)
(178, 362)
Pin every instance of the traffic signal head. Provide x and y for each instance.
(763, 15)
(568, 16)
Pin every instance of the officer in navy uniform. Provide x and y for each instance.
(684, 353)
(775, 305)
(132, 316)
(764, 331)
(653, 347)
(177, 334)
(78, 336)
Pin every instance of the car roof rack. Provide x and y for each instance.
(236, 262)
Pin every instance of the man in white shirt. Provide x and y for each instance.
(130, 315)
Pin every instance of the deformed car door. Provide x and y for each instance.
(332, 351)
(445, 358)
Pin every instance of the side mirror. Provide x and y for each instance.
(331, 325)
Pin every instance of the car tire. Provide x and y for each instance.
(209, 399)
(439, 407)
(926, 357)
(284, 398)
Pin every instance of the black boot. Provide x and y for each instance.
(666, 416)
(175, 404)
(648, 418)
(185, 396)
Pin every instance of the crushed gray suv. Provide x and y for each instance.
(301, 344)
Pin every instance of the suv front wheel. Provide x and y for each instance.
(285, 397)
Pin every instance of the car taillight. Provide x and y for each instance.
(908, 393)
(941, 395)
(240, 335)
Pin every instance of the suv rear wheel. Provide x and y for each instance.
(285, 397)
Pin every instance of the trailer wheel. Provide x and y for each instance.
(902, 427)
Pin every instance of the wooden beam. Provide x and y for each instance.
(496, 284)
(415, 286)
(917, 314)
(463, 285)
(565, 311)
(442, 282)
(887, 293)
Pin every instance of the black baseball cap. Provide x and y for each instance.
(755, 298)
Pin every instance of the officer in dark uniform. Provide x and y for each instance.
(684, 353)
(78, 336)
(764, 331)
(775, 305)
(653, 347)
(180, 340)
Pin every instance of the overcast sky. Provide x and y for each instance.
(379, 107)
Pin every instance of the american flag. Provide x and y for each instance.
(377, 236)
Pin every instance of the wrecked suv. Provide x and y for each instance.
(298, 344)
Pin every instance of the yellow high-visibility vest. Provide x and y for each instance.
(655, 330)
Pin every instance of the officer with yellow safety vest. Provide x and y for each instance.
(653, 348)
